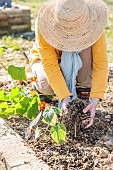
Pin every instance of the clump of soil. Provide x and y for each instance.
(76, 127)
(75, 120)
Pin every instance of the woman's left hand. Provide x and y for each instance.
(92, 108)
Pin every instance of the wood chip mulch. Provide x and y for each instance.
(89, 149)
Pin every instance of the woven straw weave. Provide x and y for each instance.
(72, 25)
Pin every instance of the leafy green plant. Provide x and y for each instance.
(20, 102)
(17, 73)
(50, 116)
(1, 52)
(58, 130)
(23, 103)
(27, 103)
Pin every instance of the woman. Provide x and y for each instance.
(75, 27)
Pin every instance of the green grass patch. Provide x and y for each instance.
(109, 30)
(108, 1)
(13, 43)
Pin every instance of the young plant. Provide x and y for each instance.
(19, 101)
(50, 116)
(27, 103)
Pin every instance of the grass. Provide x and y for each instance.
(108, 1)
(109, 30)
(36, 4)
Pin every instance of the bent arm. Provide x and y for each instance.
(52, 69)
(42, 50)
(100, 68)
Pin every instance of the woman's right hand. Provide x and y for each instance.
(65, 102)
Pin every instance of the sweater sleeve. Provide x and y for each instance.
(100, 68)
(50, 65)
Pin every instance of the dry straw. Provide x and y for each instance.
(72, 25)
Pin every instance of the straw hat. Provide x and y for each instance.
(72, 25)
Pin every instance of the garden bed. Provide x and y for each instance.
(90, 150)
(15, 20)
(93, 150)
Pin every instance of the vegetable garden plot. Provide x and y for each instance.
(91, 149)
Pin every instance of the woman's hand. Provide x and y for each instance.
(92, 108)
(65, 102)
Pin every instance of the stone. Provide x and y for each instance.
(108, 116)
(16, 154)
(106, 167)
(109, 143)
(103, 153)
(1, 84)
(2, 163)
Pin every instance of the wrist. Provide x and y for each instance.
(95, 100)
(66, 98)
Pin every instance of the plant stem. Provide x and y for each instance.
(75, 131)
(3, 66)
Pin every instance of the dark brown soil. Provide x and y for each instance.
(91, 149)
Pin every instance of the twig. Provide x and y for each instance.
(75, 131)
(25, 55)
(3, 66)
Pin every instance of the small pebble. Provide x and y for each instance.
(108, 116)
(1, 84)
(103, 153)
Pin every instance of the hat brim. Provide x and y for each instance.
(64, 40)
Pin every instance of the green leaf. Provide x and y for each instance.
(15, 92)
(54, 120)
(9, 111)
(19, 109)
(56, 110)
(17, 73)
(32, 109)
(1, 52)
(3, 116)
(3, 96)
(5, 110)
(17, 106)
(58, 133)
(49, 116)
(24, 101)
(3, 106)
(38, 98)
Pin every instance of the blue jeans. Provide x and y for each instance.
(3, 2)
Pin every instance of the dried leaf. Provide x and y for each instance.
(27, 133)
(37, 132)
(35, 121)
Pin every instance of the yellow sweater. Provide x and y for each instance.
(49, 57)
